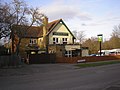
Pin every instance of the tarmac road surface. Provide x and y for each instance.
(60, 77)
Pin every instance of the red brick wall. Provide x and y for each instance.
(87, 59)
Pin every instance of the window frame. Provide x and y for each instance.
(55, 40)
(68, 53)
(64, 40)
(33, 41)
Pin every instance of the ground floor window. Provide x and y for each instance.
(72, 53)
(68, 53)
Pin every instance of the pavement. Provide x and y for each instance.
(113, 86)
(60, 77)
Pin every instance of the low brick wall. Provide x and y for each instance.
(87, 59)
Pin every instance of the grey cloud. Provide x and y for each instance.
(84, 16)
(56, 11)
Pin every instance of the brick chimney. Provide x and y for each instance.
(45, 23)
(45, 31)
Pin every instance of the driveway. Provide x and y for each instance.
(60, 77)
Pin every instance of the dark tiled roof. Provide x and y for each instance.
(28, 32)
(35, 31)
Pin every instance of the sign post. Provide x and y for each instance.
(100, 39)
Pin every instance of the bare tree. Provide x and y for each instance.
(81, 36)
(114, 42)
(17, 16)
(116, 31)
(92, 44)
(115, 37)
(4, 20)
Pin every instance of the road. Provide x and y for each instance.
(60, 77)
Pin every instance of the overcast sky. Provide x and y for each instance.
(91, 16)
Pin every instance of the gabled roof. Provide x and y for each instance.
(35, 32)
(55, 23)
(52, 24)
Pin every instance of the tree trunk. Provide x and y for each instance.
(18, 46)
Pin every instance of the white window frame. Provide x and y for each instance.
(55, 40)
(33, 41)
(64, 40)
(68, 54)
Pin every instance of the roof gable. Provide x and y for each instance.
(52, 25)
(55, 23)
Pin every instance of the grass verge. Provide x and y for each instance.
(94, 64)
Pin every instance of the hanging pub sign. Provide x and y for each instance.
(100, 37)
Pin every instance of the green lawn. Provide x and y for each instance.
(94, 64)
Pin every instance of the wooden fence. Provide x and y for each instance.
(10, 60)
(42, 58)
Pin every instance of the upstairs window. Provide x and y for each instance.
(55, 40)
(64, 40)
(33, 41)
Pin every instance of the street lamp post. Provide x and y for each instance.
(100, 39)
